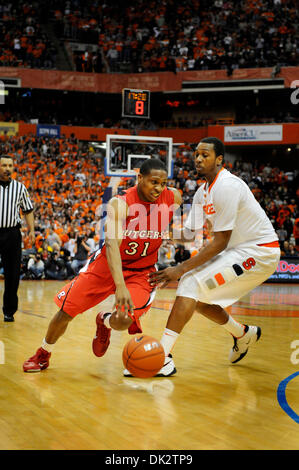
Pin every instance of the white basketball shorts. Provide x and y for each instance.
(230, 275)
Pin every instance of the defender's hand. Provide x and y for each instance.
(162, 278)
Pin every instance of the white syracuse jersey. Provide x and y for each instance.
(228, 204)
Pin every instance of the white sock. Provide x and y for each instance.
(107, 319)
(168, 340)
(235, 328)
(46, 346)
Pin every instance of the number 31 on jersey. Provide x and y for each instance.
(134, 248)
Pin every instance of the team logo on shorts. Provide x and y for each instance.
(61, 294)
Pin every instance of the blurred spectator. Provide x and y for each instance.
(90, 240)
(191, 185)
(53, 239)
(70, 244)
(182, 254)
(296, 231)
(36, 267)
(55, 267)
(288, 250)
(282, 235)
(65, 256)
(292, 251)
(81, 253)
(166, 255)
(112, 56)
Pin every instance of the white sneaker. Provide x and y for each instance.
(241, 345)
(167, 370)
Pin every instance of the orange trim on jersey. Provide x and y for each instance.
(214, 181)
(270, 244)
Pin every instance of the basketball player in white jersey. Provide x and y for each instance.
(243, 253)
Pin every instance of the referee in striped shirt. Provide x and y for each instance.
(13, 197)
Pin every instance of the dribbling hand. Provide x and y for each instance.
(123, 301)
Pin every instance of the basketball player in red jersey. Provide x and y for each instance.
(119, 272)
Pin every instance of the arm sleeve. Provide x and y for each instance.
(226, 204)
(26, 203)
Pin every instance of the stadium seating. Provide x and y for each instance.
(190, 35)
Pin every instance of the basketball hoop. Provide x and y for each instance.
(125, 153)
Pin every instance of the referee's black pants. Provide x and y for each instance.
(11, 252)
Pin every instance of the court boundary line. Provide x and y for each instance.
(282, 400)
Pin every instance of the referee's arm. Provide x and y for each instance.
(27, 209)
(30, 224)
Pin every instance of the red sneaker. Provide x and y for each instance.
(38, 362)
(101, 340)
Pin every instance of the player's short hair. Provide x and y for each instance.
(6, 156)
(218, 145)
(152, 164)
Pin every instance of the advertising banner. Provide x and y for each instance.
(47, 130)
(9, 128)
(287, 271)
(114, 83)
(267, 133)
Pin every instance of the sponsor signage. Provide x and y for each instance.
(253, 133)
(9, 128)
(287, 271)
(47, 130)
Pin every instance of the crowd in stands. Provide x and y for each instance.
(138, 36)
(155, 36)
(67, 183)
(23, 42)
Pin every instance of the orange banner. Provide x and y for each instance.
(114, 83)
(289, 135)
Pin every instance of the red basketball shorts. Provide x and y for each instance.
(94, 284)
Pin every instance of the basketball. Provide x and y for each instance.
(143, 356)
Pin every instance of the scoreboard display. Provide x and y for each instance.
(136, 103)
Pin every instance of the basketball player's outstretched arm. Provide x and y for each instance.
(218, 244)
(116, 215)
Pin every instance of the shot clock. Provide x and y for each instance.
(136, 103)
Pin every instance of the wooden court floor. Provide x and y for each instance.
(84, 403)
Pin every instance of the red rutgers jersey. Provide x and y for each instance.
(143, 231)
(145, 228)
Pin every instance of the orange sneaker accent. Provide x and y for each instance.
(101, 340)
(38, 362)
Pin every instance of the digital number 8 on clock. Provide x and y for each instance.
(135, 103)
